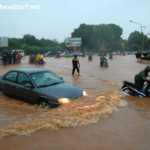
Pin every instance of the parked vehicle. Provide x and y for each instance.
(52, 53)
(77, 54)
(66, 54)
(46, 54)
(128, 52)
(22, 53)
(134, 52)
(38, 86)
(57, 55)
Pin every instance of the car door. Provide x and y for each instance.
(24, 93)
(9, 83)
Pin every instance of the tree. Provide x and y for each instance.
(93, 36)
(135, 38)
(30, 40)
(135, 47)
(117, 31)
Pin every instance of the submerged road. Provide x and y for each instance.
(104, 119)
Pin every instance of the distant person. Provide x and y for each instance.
(10, 57)
(75, 63)
(14, 57)
(7, 58)
(17, 58)
(57, 55)
(35, 57)
(4, 58)
(102, 59)
(90, 57)
(31, 59)
(110, 56)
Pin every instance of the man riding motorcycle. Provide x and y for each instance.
(39, 59)
(140, 78)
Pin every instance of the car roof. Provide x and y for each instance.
(29, 69)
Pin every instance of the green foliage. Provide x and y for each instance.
(138, 41)
(135, 47)
(93, 36)
(31, 45)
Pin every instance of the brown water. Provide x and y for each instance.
(103, 119)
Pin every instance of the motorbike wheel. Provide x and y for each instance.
(128, 91)
(131, 93)
(105, 65)
(1, 92)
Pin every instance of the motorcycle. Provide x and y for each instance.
(90, 58)
(132, 89)
(31, 61)
(57, 55)
(105, 64)
(40, 62)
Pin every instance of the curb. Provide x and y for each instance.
(143, 61)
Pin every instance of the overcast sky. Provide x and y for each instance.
(57, 19)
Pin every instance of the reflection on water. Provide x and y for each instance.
(19, 118)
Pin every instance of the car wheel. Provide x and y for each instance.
(1, 92)
(43, 103)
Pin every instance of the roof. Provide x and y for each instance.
(30, 69)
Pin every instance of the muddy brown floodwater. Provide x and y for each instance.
(103, 119)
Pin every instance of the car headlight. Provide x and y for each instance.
(63, 100)
(84, 93)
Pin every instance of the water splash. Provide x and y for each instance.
(24, 119)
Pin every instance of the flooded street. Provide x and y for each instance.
(103, 119)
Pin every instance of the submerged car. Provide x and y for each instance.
(46, 54)
(66, 54)
(77, 54)
(38, 86)
(52, 53)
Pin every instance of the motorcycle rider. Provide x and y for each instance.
(102, 59)
(140, 78)
(90, 56)
(39, 58)
(31, 59)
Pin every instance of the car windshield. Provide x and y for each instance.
(43, 79)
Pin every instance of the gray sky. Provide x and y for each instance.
(57, 19)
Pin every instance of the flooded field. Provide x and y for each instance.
(103, 119)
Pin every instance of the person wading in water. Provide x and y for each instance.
(75, 63)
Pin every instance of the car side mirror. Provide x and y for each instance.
(28, 85)
(61, 78)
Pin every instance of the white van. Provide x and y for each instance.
(21, 51)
